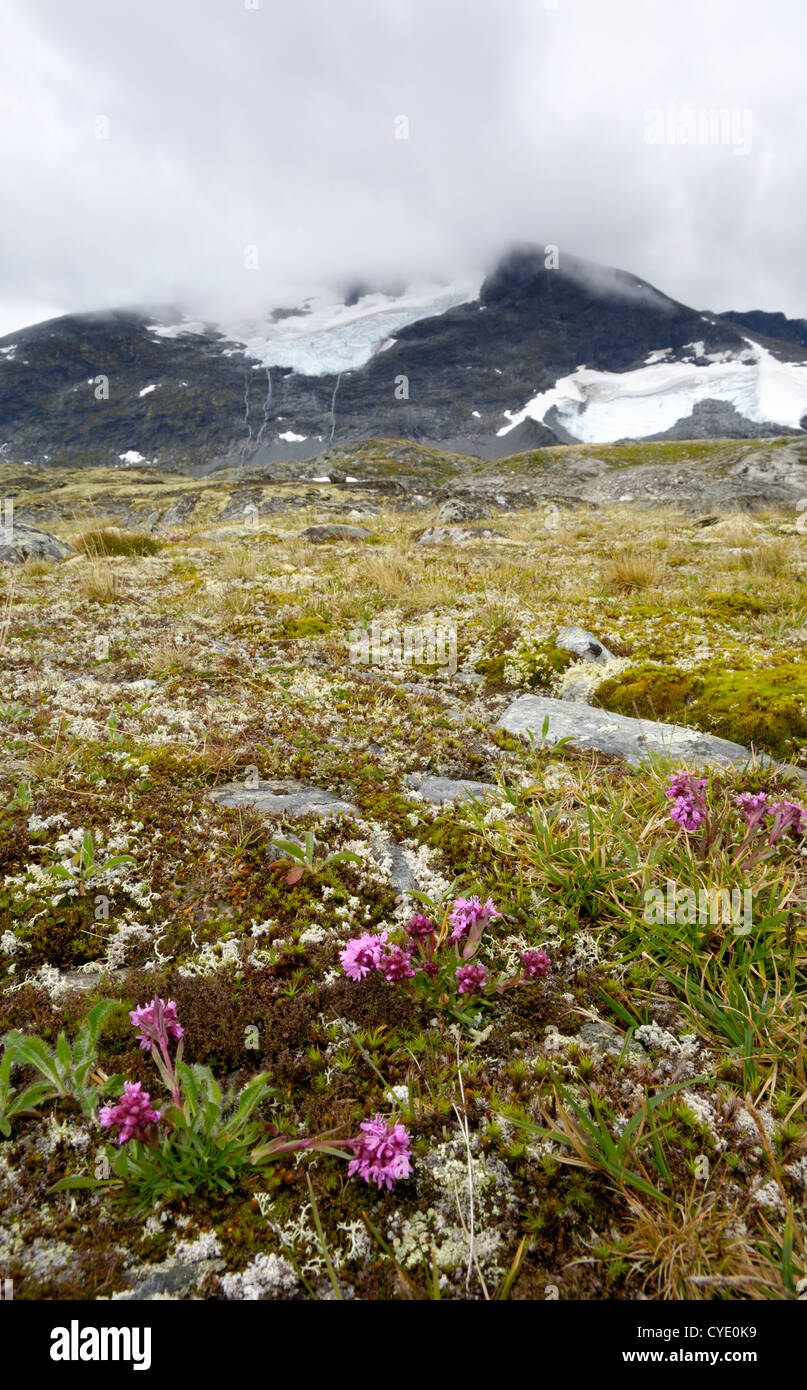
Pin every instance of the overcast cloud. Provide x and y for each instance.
(275, 127)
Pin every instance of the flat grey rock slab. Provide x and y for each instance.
(177, 1281)
(336, 532)
(584, 644)
(621, 735)
(284, 797)
(23, 543)
(439, 790)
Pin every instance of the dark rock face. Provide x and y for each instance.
(712, 419)
(771, 325)
(94, 387)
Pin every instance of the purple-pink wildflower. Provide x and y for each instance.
(420, 927)
(382, 1152)
(132, 1114)
(396, 965)
(159, 1023)
(536, 964)
(469, 913)
(471, 979)
(686, 792)
(754, 807)
(787, 816)
(363, 954)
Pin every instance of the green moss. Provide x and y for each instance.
(310, 625)
(727, 607)
(765, 707)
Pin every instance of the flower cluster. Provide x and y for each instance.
(470, 916)
(382, 1153)
(688, 796)
(132, 1115)
(786, 815)
(363, 954)
(536, 964)
(158, 1023)
(439, 960)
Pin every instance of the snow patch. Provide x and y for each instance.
(289, 437)
(147, 390)
(328, 336)
(599, 407)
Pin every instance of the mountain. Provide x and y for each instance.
(526, 356)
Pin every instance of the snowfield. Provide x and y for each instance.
(600, 407)
(328, 336)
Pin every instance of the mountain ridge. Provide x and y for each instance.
(540, 356)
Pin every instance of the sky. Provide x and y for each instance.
(227, 155)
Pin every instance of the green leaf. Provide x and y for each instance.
(64, 1184)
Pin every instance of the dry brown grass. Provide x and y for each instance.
(692, 1249)
(238, 562)
(100, 583)
(169, 654)
(5, 611)
(768, 559)
(630, 570)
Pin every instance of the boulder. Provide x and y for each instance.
(455, 509)
(27, 543)
(455, 535)
(584, 644)
(336, 532)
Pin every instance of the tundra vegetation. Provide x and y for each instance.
(542, 1088)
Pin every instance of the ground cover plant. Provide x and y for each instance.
(545, 1043)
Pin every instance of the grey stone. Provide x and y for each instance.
(455, 535)
(439, 790)
(284, 797)
(455, 509)
(401, 876)
(601, 1037)
(584, 644)
(28, 543)
(177, 1281)
(336, 532)
(179, 511)
(619, 734)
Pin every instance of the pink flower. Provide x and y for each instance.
(382, 1153)
(363, 954)
(686, 793)
(754, 807)
(420, 927)
(133, 1113)
(471, 979)
(397, 965)
(470, 913)
(536, 964)
(787, 816)
(159, 1023)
